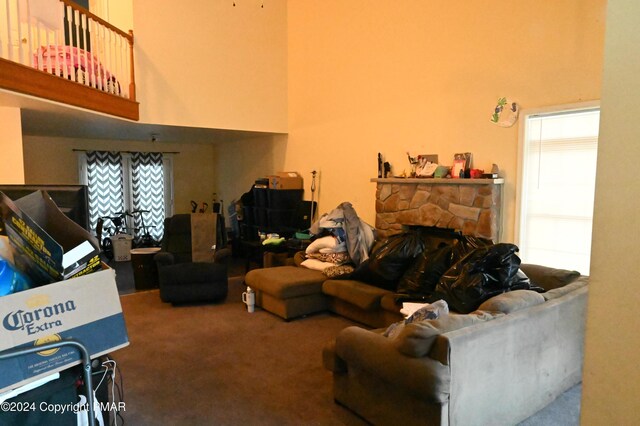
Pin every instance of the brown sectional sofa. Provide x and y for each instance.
(497, 365)
(293, 291)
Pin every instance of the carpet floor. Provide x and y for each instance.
(217, 364)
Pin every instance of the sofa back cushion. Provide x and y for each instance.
(561, 291)
(512, 301)
(415, 339)
(177, 237)
(549, 278)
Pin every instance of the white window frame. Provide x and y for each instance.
(522, 172)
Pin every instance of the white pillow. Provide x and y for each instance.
(339, 248)
(316, 264)
(323, 242)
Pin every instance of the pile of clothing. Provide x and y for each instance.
(342, 242)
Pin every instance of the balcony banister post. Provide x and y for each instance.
(132, 84)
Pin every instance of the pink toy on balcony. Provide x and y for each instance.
(81, 66)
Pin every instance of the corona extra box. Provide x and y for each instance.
(86, 308)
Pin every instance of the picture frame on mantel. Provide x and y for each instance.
(461, 163)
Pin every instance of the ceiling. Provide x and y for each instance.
(46, 118)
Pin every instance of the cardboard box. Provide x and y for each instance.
(48, 246)
(285, 180)
(86, 308)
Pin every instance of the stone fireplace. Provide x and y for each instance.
(472, 206)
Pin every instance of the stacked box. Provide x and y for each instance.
(284, 198)
(86, 308)
(75, 296)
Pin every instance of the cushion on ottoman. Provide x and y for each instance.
(284, 282)
(362, 295)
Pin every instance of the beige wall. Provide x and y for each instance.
(611, 376)
(239, 163)
(391, 77)
(117, 12)
(209, 64)
(53, 161)
(12, 169)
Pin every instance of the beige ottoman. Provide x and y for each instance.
(288, 291)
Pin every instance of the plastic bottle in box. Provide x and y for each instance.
(11, 280)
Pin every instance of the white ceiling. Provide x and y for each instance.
(46, 118)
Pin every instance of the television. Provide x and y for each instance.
(72, 200)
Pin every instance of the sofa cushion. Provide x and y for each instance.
(284, 282)
(429, 311)
(415, 340)
(561, 291)
(512, 301)
(549, 278)
(338, 271)
(328, 242)
(362, 295)
(316, 265)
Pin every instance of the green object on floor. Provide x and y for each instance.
(302, 236)
(273, 241)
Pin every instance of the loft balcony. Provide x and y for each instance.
(61, 52)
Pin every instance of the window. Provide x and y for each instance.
(557, 185)
(120, 182)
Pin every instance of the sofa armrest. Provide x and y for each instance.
(331, 360)
(164, 258)
(366, 350)
(222, 255)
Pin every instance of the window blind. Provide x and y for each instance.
(559, 170)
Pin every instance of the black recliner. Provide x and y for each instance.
(180, 279)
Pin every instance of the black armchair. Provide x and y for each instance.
(183, 280)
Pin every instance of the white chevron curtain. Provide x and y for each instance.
(147, 187)
(105, 182)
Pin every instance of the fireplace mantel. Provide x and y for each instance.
(472, 206)
(437, 181)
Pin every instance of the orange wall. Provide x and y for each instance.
(238, 163)
(209, 64)
(391, 77)
(12, 169)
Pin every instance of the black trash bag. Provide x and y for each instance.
(389, 259)
(442, 251)
(465, 245)
(420, 280)
(485, 272)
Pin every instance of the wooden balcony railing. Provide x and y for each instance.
(57, 50)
